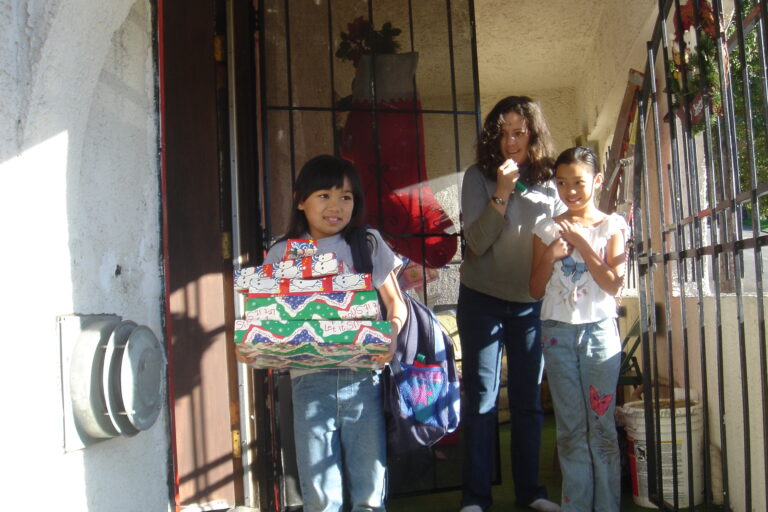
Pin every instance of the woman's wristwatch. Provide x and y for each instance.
(498, 200)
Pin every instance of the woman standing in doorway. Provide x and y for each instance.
(503, 196)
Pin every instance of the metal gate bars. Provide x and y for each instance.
(700, 176)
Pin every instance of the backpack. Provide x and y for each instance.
(421, 384)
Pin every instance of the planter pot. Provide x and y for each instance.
(393, 74)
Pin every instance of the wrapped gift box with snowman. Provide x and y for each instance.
(309, 311)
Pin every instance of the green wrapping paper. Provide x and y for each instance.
(312, 344)
(363, 305)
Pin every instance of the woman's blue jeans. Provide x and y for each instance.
(340, 440)
(582, 370)
(486, 324)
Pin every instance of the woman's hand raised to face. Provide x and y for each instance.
(506, 177)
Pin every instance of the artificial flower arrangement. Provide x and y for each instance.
(701, 71)
(362, 39)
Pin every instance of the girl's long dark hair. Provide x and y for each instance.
(541, 148)
(325, 172)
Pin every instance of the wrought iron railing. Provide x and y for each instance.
(700, 177)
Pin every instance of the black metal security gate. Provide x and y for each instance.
(393, 87)
(700, 179)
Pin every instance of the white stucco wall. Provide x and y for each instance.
(619, 44)
(733, 415)
(79, 196)
(575, 63)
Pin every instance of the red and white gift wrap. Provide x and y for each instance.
(319, 265)
(266, 286)
(341, 330)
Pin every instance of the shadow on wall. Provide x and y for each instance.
(189, 357)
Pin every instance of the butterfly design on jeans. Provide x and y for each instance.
(599, 403)
(573, 268)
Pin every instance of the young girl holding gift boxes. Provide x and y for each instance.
(337, 414)
(578, 268)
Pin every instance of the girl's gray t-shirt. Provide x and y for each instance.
(383, 258)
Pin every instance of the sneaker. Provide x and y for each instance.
(542, 505)
(471, 508)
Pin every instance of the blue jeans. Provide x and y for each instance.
(486, 324)
(340, 440)
(583, 369)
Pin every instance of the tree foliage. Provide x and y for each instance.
(755, 117)
(753, 120)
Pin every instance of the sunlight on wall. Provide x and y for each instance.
(35, 266)
(33, 208)
(732, 416)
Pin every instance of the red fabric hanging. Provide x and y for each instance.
(398, 197)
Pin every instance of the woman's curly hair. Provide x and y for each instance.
(541, 148)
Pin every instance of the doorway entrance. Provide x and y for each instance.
(391, 86)
(251, 90)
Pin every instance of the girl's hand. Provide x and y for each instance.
(559, 249)
(397, 325)
(243, 358)
(506, 177)
(572, 233)
(397, 313)
(385, 358)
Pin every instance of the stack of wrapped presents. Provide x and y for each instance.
(309, 311)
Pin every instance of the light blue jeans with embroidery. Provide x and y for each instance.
(582, 364)
(340, 439)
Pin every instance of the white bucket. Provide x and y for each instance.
(634, 418)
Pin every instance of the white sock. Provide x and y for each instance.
(542, 505)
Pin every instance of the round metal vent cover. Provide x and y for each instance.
(141, 376)
(113, 357)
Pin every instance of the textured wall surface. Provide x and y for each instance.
(572, 56)
(80, 208)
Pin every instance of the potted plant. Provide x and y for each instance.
(374, 53)
(362, 39)
(693, 71)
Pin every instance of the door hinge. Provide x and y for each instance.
(236, 450)
(218, 48)
(226, 245)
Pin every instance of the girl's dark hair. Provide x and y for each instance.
(325, 172)
(579, 155)
(541, 148)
